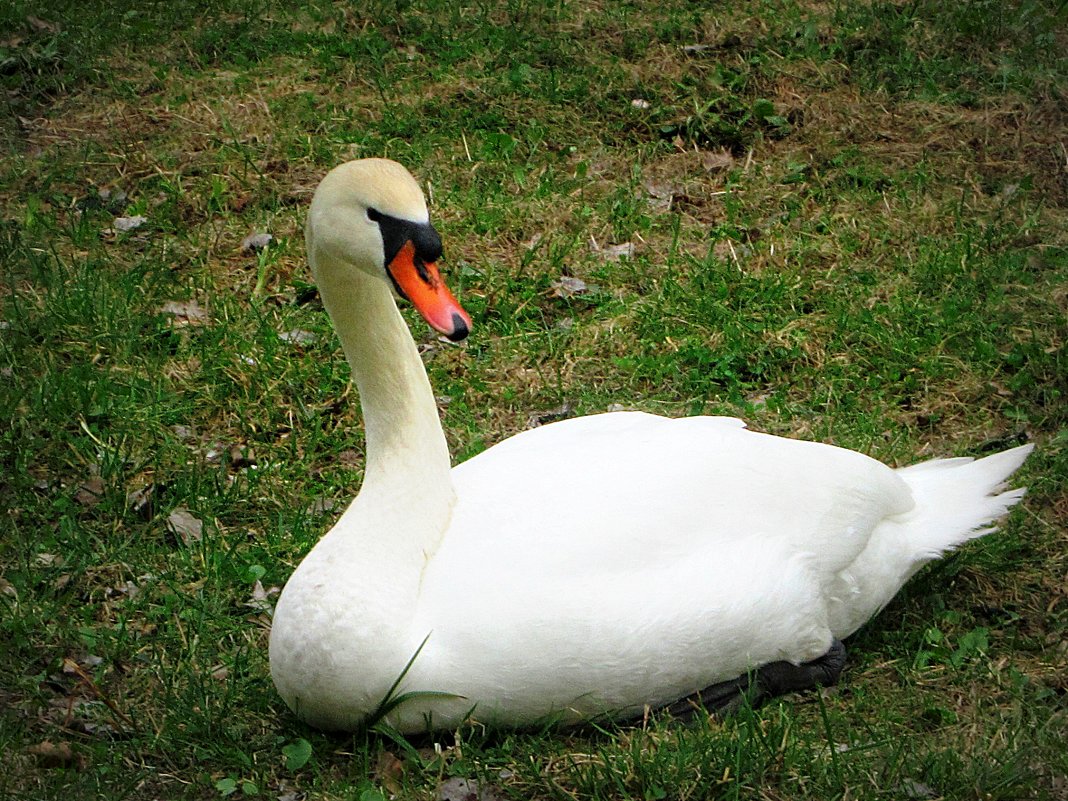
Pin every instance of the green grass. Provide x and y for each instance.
(865, 245)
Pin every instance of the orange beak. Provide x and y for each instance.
(420, 282)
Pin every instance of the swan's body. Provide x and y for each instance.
(592, 566)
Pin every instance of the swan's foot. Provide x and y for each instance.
(763, 684)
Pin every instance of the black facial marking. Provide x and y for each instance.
(395, 232)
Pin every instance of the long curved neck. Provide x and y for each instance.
(407, 469)
(346, 613)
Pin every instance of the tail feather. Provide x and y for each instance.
(959, 499)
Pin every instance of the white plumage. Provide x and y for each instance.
(590, 566)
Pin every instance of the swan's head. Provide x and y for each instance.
(370, 215)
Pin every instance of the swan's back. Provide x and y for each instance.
(629, 491)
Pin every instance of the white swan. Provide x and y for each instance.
(591, 566)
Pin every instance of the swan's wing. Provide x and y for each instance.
(628, 489)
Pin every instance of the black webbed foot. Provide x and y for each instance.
(763, 684)
(780, 678)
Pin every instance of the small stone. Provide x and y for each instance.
(124, 224)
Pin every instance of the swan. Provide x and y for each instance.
(596, 566)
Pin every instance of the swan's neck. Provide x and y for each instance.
(343, 626)
(406, 484)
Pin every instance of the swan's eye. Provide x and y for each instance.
(374, 215)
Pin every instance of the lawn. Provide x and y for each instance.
(844, 222)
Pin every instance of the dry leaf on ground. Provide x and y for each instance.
(184, 525)
(661, 195)
(457, 789)
(185, 311)
(389, 771)
(90, 491)
(139, 501)
(568, 287)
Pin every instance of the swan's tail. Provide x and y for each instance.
(958, 500)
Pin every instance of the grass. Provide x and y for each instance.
(848, 224)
